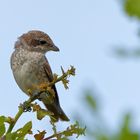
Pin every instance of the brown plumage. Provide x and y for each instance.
(31, 68)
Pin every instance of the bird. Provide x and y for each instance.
(31, 68)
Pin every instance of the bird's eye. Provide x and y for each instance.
(42, 42)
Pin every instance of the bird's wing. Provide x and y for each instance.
(49, 76)
(55, 106)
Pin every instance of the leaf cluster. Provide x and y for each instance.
(21, 133)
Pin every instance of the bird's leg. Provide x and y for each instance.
(37, 95)
(26, 105)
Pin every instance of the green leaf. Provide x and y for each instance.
(11, 136)
(74, 129)
(2, 130)
(41, 113)
(91, 100)
(2, 120)
(26, 129)
(132, 8)
(126, 133)
(65, 83)
(2, 125)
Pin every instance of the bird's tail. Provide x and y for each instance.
(57, 111)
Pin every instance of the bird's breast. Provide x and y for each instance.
(30, 75)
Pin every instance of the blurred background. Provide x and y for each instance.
(101, 39)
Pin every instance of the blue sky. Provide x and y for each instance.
(86, 32)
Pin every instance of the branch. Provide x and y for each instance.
(27, 103)
(73, 129)
(53, 136)
(19, 113)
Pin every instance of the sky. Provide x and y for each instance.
(86, 31)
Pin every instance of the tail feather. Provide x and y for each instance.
(57, 111)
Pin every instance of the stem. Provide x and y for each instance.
(11, 126)
(29, 101)
(53, 136)
(58, 79)
(19, 113)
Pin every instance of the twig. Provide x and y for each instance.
(53, 136)
(33, 98)
(19, 113)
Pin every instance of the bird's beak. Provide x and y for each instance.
(55, 48)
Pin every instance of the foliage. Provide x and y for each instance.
(96, 128)
(132, 8)
(123, 53)
(28, 105)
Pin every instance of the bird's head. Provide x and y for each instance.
(36, 41)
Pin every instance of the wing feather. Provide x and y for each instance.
(49, 76)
